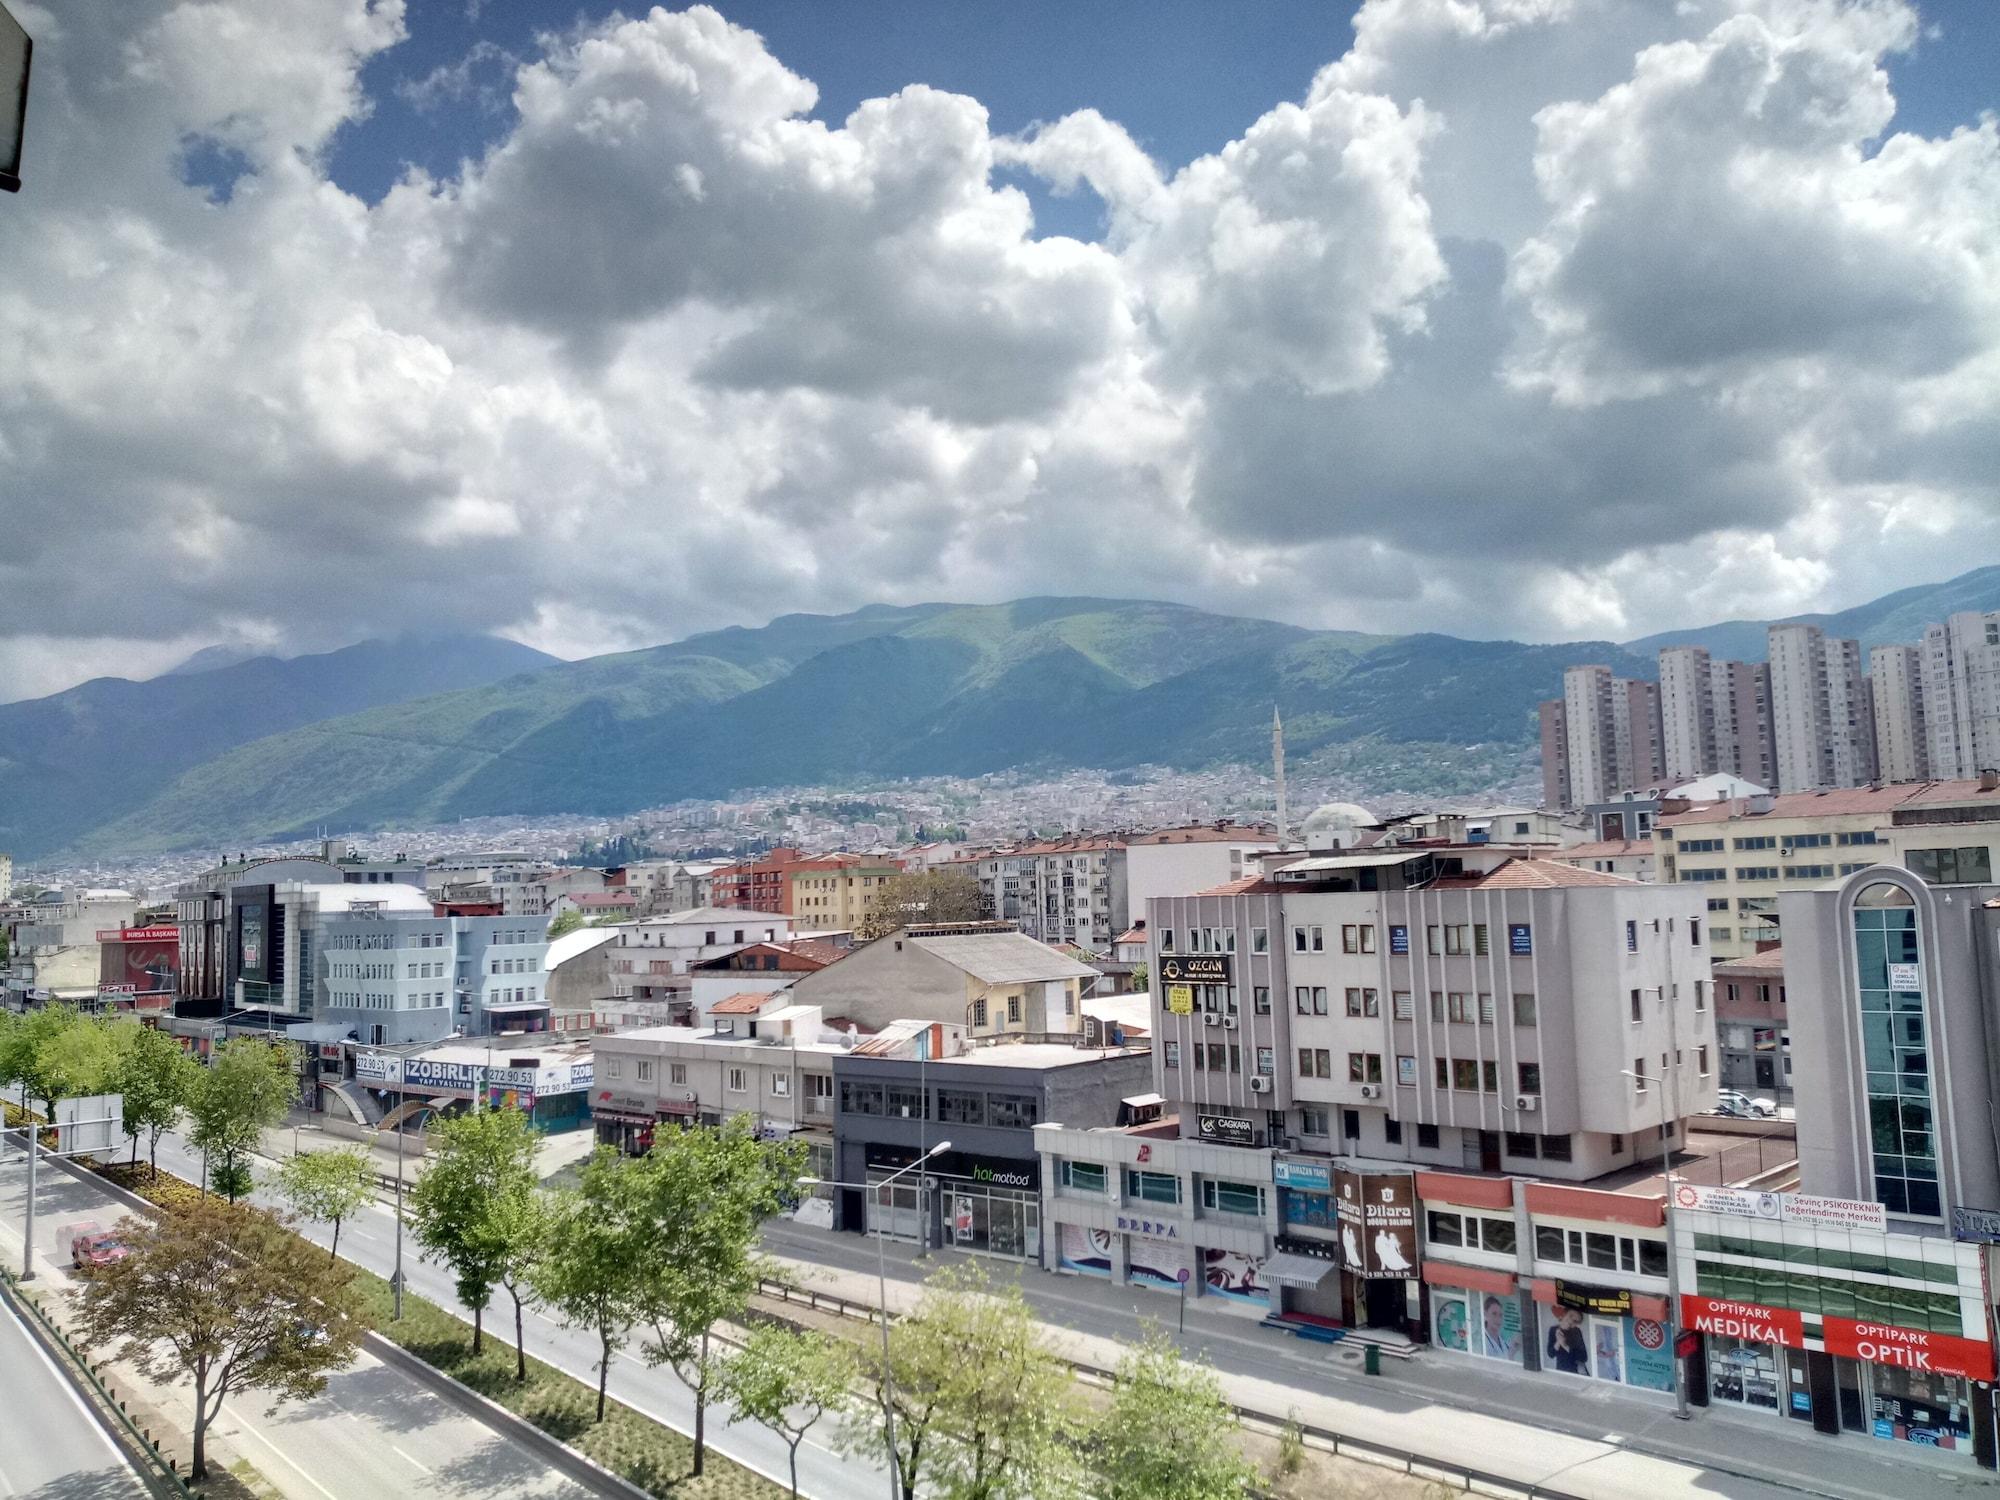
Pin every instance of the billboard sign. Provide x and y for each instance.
(139, 961)
(253, 929)
(1612, 1301)
(1376, 1212)
(1790, 1208)
(1226, 1130)
(1745, 1320)
(1909, 1348)
(1195, 968)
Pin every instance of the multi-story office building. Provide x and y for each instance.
(1961, 688)
(1896, 694)
(392, 975)
(838, 892)
(53, 952)
(1862, 1305)
(1820, 723)
(1739, 854)
(1331, 1035)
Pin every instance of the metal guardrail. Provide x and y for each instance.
(164, 1469)
(1325, 1439)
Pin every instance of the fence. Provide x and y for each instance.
(1742, 1162)
(163, 1469)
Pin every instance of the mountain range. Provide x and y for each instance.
(429, 731)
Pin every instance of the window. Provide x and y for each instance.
(1392, 1131)
(1315, 1062)
(1701, 846)
(1298, 940)
(1350, 1124)
(1465, 1074)
(1701, 1061)
(1521, 1143)
(1489, 1076)
(1700, 995)
(677, 1074)
(1808, 872)
(1171, 1054)
(979, 1012)
(1082, 1176)
(1013, 1111)
(1302, 999)
(1639, 1074)
(1485, 1010)
(1433, 939)
(1968, 866)
(1260, 940)
(1364, 1067)
(1260, 999)
(1427, 1137)
(1166, 940)
(1441, 1072)
(1266, 1062)
(961, 1106)
(1353, 1001)
(645, 1071)
(1631, 937)
(1152, 1187)
(1759, 841)
(1319, 1000)
(1235, 1058)
(1867, 837)
(1318, 940)
(1013, 1010)
(1524, 1010)
(781, 1085)
(1458, 1006)
(1405, 1008)
(1457, 938)
(1529, 1075)
(1313, 1122)
(1697, 877)
(1638, 1005)
(1555, 1148)
(613, 1068)
(737, 1084)
(1757, 872)
(1231, 1197)
(1694, 931)
(1479, 943)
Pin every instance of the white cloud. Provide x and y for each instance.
(1536, 316)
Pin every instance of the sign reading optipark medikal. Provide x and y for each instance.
(1195, 968)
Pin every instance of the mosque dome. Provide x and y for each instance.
(1333, 825)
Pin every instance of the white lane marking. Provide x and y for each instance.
(425, 1467)
(61, 1381)
(248, 1431)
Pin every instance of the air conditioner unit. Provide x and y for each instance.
(1527, 1103)
(1229, 1023)
(1210, 1019)
(1371, 1091)
(1260, 1085)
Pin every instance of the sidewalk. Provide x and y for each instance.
(558, 1152)
(1587, 1438)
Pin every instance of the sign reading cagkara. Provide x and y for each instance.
(1194, 968)
(1226, 1130)
(1745, 1320)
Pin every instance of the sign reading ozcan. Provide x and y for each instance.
(1229, 1130)
(1194, 968)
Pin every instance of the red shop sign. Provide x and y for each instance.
(1885, 1344)
(1745, 1320)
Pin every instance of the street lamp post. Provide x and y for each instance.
(882, 1295)
(1673, 1258)
(396, 1281)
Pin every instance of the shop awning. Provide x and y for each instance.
(517, 1005)
(1287, 1269)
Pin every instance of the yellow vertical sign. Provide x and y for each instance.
(1180, 999)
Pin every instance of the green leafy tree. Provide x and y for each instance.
(924, 896)
(523, 1226)
(156, 1076)
(225, 1299)
(569, 919)
(1142, 977)
(593, 1271)
(328, 1186)
(789, 1381)
(60, 1053)
(465, 1209)
(1170, 1433)
(984, 1409)
(248, 1086)
(702, 1195)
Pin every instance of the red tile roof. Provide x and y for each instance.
(747, 1003)
(1242, 887)
(1132, 935)
(1842, 802)
(1770, 961)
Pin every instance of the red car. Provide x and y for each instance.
(92, 1245)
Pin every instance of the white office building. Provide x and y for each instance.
(1961, 694)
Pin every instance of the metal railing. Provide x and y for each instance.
(163, 1468)
(1740, 1163)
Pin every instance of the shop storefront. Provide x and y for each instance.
(1604, 1333)
(1305, 1274)
(1475, 1312)
(982, 1205)
(1376, 1215)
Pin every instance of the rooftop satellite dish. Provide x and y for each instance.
(17, 50)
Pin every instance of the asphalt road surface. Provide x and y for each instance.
(51, 1446)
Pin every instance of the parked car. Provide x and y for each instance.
(91, 1244)
(1736, 1103)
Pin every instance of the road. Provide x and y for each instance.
(373, 1432)
(51, 1446)
(370, 1242)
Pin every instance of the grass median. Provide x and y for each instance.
(629, 1443)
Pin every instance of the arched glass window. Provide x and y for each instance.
(1896, 1051)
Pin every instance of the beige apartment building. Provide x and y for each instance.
(1743, 852)
(837, 892)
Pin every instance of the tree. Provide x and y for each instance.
(524, 1225)
(247, 1086)
(701, 1195)
(1142, 977)
(226, 1298)
(466, 1208)
(984, 1410)
(1170, 1433)
(593, 1269)
(568, 920)
(788, 1380)
(328, 1186)
(60, 1053)
(156, 1077)
(924, 896)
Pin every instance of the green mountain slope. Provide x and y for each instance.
(1893, 619)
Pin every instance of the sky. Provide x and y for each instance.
(1548, 319)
